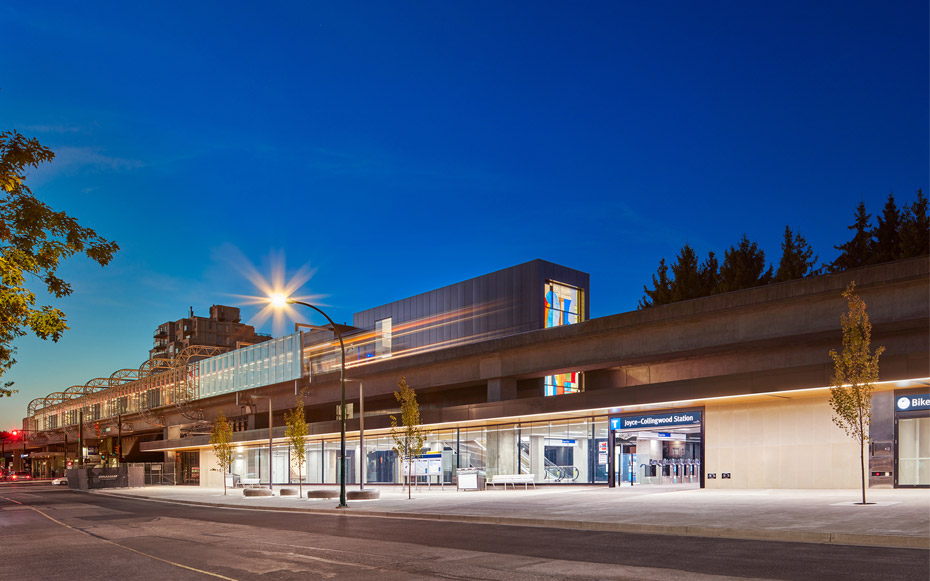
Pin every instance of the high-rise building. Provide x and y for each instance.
(223, 328)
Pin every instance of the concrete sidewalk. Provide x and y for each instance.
(900, 518)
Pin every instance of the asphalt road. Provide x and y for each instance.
(50, 533)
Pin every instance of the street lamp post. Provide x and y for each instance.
(280, 301)
(362, 461)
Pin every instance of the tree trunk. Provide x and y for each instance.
(862, 454)
(862, 463)
(409, 477)
(224, 482)
(300, 480)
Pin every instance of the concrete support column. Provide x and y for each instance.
(502, 454)
(502, 389)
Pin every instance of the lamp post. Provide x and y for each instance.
(280, 301)
(362, 461)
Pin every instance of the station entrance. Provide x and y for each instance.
(660, 449)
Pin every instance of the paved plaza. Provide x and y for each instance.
(899, 517)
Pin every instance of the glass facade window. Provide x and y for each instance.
(249, 367)
(383, 337)
(914, 451)
(562, 452)
(562, 383)
(563, 306)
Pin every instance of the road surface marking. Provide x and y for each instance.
(54, 520)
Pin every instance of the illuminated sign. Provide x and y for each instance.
(906, 403)
(655, 420)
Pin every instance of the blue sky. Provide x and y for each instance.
(399, 147)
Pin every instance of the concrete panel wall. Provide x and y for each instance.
(791, 443)
(210, 475)
(500, 303)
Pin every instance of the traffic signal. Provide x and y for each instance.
(15, 433)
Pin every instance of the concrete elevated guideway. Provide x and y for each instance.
(769, 339)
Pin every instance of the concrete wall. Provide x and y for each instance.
(210, 475)
(791, 443)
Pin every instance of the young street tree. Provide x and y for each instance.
(408, 435)
(34, 240)
(296, 434)
(221, 439)
(855, 373)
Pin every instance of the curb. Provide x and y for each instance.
(833, 538)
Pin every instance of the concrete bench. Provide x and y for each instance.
(324, 493)
(257, 492)
(367, 494)
(513, 480)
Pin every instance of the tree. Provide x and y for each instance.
(886, 245)
(686, 280)
(710, 274)
(797, 257)
(34, 240)
(855, 373)
(408, 436)
(661, 293)
(296, 433)
(689, 280)
(743, 267)
(857, 251)
(221, 439)
(915, 228)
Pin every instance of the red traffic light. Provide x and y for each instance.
(15, 433)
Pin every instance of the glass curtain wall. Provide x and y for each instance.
(558, 452)
(914, 452)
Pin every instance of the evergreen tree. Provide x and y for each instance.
(686, 283)
(914, 237)
(856, 252)
(743, 267)
(797, 258)
(886, 245)
(661, 293)
(710, 274)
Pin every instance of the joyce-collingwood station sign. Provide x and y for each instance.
(677, 418)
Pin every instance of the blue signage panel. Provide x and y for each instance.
(906, 403)
(655, 421)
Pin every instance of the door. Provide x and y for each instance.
(913, 451)
(628, 464)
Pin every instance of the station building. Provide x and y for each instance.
(513, 377)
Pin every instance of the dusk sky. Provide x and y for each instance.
(394, 148)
